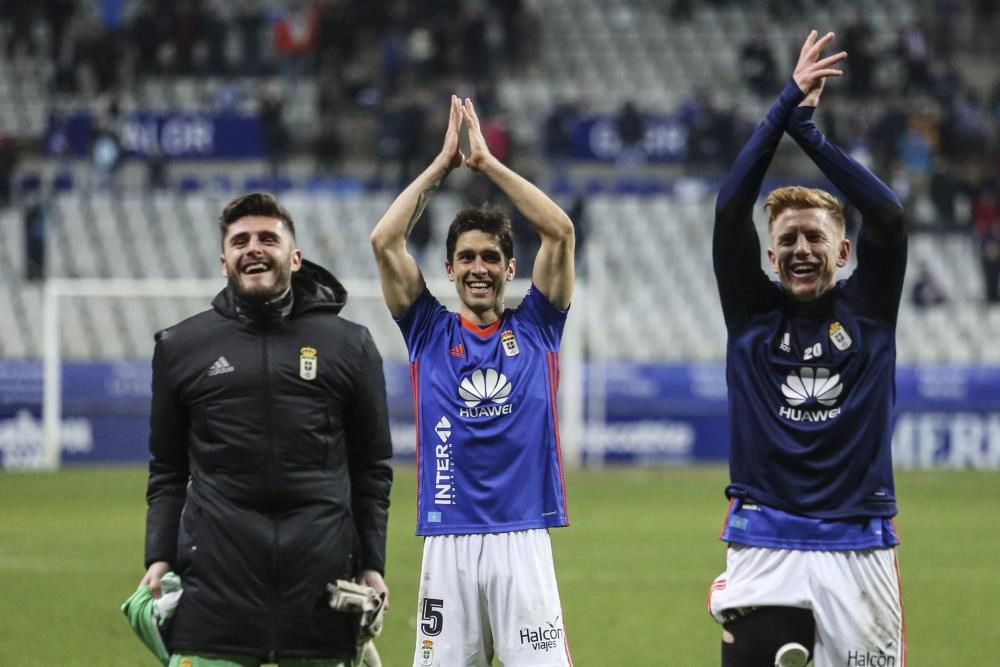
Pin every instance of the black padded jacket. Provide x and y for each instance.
(269, 472)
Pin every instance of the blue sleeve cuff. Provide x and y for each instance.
(791, 95)
(801, 115)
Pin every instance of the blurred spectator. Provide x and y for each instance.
(477, 51)
(105, 147)
(336, 36)
(216, 37)
(985, 215)
(250, 27)
(399, 136)
(388, 136)
(986, 224)
(631, 133)
(522, 38)
(329, 87)
(188, 35)
(861, 61)
(35, 222)
(329, 148)
(8, 164)
(147, 32)
(964, 132)
(577, 212)
(156, 169)
(421, 53)
(101, 52)
(887, 132)
(713, 134)
(757, 66)
(411, 127)
(558, 135)
(66, 59)
(111, 13)
(392, 58)
(926, 291)
(945, 14)
(497, 136)
(946, 82)
(21, 36)
(945, 187)
(984, 20)
(682, 10)
(57, 15)
(915, 149)
(295, 39)
(277, 139)
(915, 52)
(990, 258)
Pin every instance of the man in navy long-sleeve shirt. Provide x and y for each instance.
(811, 565)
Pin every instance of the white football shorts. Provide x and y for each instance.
(854, 596)
(482, 595)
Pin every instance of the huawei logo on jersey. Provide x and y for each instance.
(485, 386)
(811, 385)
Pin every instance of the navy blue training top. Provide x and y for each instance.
(811, 385)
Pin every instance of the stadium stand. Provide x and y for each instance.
(592, 53)
(651, 253)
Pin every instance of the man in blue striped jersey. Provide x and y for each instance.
(811, 565)
(484, 382)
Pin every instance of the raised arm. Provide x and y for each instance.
(401, 279)
(882, 240)
(735, 247)
(741, 186)
(879, 206)
(553, 272)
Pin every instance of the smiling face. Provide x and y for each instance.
(807, 248)
(259, 257)
(480, 272)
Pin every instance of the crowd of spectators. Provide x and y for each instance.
(117, 42)
(905, 106)
(389, 59)
(908, 106)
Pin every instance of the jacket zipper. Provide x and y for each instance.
(272, 488)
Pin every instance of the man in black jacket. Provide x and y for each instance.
(269, 443)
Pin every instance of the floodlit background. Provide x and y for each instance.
(126, 125)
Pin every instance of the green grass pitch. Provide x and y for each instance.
(633, 567)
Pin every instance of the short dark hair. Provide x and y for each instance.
(489, 219)
(254, 203)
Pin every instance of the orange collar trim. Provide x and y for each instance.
(478, 330)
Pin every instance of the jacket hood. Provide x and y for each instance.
(312, 286)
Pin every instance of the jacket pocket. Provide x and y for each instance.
(187, 540)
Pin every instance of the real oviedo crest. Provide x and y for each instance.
(308, 363)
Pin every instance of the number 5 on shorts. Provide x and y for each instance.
(433, 620)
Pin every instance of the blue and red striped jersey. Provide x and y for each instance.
(488, 457)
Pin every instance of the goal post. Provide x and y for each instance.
(364, 305)
(57, 289)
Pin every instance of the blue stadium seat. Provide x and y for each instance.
(63, 181)
(29, 183)
(189, 183)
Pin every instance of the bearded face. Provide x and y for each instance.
(258, 258)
